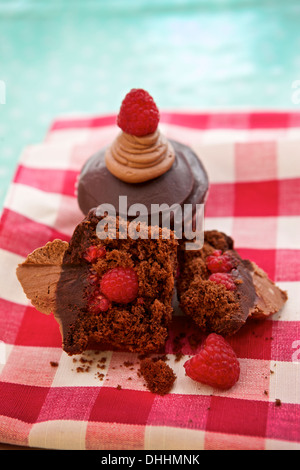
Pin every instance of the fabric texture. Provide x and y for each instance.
(97, 400)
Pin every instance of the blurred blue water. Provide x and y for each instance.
(83, 56)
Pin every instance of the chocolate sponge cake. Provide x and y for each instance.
(220, 290)
(111, 291)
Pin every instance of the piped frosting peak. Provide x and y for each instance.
(137, 159)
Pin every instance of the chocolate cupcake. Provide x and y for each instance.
(144, 167)
(116, 291)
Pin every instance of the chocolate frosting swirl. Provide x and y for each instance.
(138, 159)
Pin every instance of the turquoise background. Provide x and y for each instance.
(60, 57)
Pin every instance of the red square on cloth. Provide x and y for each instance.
(114, 405)
(236, 416)
(265, 259)
(253, 341)
(45, 332)
(269, 120)
(257, 199)
(22, 402)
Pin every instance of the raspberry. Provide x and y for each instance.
(120, 285)
(216, 364)
(93, 278)
(223, 278)
(94, 252)
(219, 263)
(138, 114)
(99, 304)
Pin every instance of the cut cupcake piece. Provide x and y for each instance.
(117, 292)
(220, 290)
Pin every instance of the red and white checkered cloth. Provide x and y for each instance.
(253, 161)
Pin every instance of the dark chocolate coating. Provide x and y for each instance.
(185, 183)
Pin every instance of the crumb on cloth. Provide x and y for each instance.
(158, 375)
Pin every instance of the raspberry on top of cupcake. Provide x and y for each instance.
(140, 152)
(138, 114)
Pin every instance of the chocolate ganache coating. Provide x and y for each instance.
(186, 182)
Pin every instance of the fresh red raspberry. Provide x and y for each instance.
(138, 114)
(216, 364)
(219, 263)
(99, 303)
(94, 252)
(120, 285)
(223, 278)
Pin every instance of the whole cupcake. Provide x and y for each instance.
(141, 166)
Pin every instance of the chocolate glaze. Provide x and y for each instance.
(73, 286)
(71, 302)
(185, 183)
(245, 292)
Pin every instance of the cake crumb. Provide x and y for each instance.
(53, 364)
(128, 363)
(158, 375)
(83, 360)
(179, 356)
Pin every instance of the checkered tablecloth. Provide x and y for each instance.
(253, 161)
